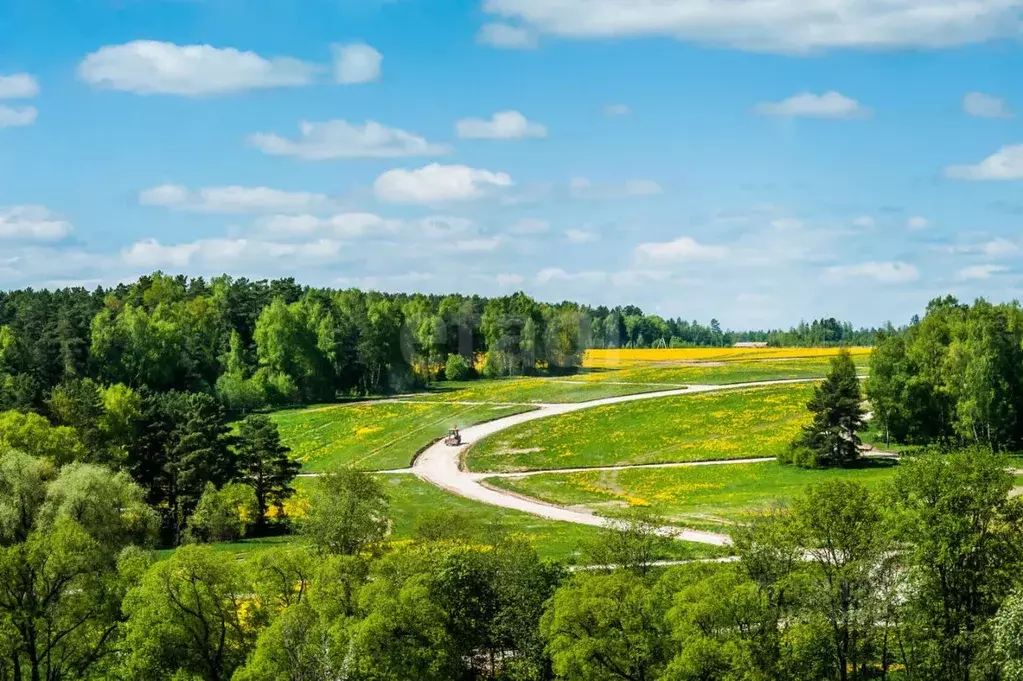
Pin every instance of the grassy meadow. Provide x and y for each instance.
(695, 496)
(734, 424)
(374, 435)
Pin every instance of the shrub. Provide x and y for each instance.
(224, 514)
(457, 368)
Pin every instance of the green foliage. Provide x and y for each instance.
(186, 616)
(265, 465)
(832, 439)
(630, 541)
(222, 514)
(457, 368)
(32, 434)
(347, 512)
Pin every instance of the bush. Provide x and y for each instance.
(492, 365)
(799, 455)
(457, 368)
(224, 514)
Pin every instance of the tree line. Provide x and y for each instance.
(917, 580)
(951, 378)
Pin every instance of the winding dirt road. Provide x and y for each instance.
(439, 464)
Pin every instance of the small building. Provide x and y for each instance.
(751, 344)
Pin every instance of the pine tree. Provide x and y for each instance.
(831, 438)
(265, 464)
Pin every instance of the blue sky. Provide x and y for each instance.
(759, 162)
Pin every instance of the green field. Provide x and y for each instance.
(567, 389)
(720, 373)
(374, 435)
(695, 495)
(733, 424)
(411, 499)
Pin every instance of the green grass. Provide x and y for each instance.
(734, 424)
(692, 496)
(722, 373)
(533, 390)
(374, 435)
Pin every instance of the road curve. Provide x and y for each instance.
(439, 464)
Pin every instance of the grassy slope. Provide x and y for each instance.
(728, 425)
(373, 435)
(688, 495)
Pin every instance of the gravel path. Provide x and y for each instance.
(440, 464)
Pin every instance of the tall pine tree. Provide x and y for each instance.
(831, 438)
(265, 464)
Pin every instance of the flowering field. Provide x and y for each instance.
(698, 496)
(733, 424)
(374, 435)
(620, 357)
(410, 499)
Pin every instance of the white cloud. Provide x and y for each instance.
(617, 110)
(773, 25)
(231, 199)
(681, 249)
(507, 280)
(507, 37)
(581, 236)
(530, 226)
(437, 183)
(343, 225)
(582, 188)
(978, 272)
(884, 272)
(219, 253)
(550, 274)
(151, 67)
(341, 139)
(985, 106)
(994, 248)
(864, 221)
(480, 245)
(917, 223)
(32, 223)
(503, 125)
(1004, 164)
(808, 105)
(356, 63)
(17, 116)
(18, 86)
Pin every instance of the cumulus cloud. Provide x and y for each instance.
(437, 183)
(884, 272)
(582, 188)
(682, 249)
(507, 280)
(506, 37)
(356, 63)
(581, 236)
(997, 247)
(617, 110)
(343, 225)
(772, 25)
(917, 223)
(222, 252)
(864, 221)
(18, 86)
(979, 272)
(808, 105)
(231, 199)
(1004, 164)
(503, 125)
(17, 116)
(341, 139)
(151, 67)
(550, 274)
(480, 245)
(32, 223)
(985, 106)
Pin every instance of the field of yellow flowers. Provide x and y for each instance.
(695, 496)
(733, 424)
(374, 435)
(622, 357)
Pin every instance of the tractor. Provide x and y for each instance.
(454, 438)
